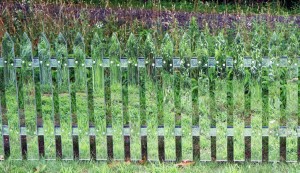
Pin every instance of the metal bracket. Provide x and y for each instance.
(141, 62)
(176, 62)
(265, 131)
(1, 62)
(229, 62)
(195, 131)
(75, 131)
(247, 61)
(92, 131)
(57, 131)
(194, 62)
(17, 63)
(143, 131)
(35, 62)
(22, 131)
(124, 62)
(211, 62)
(53, 63)
(213, 131)
(89, 62)
(160, 131)
(265, 62)
(230, 131)
(158, 62)
(126, 131)
(282, 131)
(109, 131)
(71, 62)
(105, 62)
(247, 131)
(40, 131)
(178, 131)
(5, 130)
(283, 61)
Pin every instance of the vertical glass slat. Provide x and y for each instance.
(247, 105)
(82, 101)
(194, 75)
(73, 107)
(20, 96)
(64, 126)
(56, 107)
(265, 109)
(160, 108)
(142, 108)
(8, 57)
(212, 106)
(90, 107)
(29, 97)
(46, 99)
(126, 119)
(108, 109)
(229, 77)
(177, 106)
(283, 70)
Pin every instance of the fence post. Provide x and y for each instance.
(58, 72)
(230, 129)
(72, 92)
(160, 108)
(54, 65)
(19, 64)
(177, 105)
(7, 59)
(38, 106)
(108, 111)
(90, 99)
(126, 124)
(247, 105)
(212, 106)
(143, 115)
(27, 79)
(283, 99)
(265, 108)
(194, 75)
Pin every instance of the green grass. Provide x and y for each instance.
(68, 167)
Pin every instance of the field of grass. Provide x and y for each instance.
(68, 167)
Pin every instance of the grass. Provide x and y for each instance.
(68, 167)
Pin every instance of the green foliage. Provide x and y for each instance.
(167, 48)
